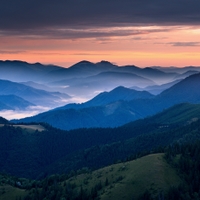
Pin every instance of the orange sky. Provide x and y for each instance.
(128, 32)
(142, 46)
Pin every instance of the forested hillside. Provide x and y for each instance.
(53, 159)
(52, 150)
(171, 175)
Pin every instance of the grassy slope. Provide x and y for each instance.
(8, 192)
(29, 128)
(131, 179)
(125, 180)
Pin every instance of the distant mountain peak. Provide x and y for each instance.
(82, 65)
(123, 89)
(105, 62)
(84, 62)
(37, 63)
(150, 69)
(120, 88)
(14, 61)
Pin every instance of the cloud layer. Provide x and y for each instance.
(63, 32)
(66, 16)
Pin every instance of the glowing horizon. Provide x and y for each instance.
(126, 33)
(150, 46)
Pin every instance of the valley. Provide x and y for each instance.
(101, 131)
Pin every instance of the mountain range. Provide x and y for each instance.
(118, 94)
(145, 120)
(30, 95)
(101, 89)
(119, 106)
(84, 80)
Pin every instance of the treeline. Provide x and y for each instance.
(188, 167)
(185, 158)
(40, 154)
(29, 155)
(54, 187)
(154, 140)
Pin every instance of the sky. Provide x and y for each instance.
(125, 32)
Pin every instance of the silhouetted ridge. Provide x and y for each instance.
(3, 121)
(83, 62)
(186, 90)
(104, 62)
(13, 62)
(117, 94)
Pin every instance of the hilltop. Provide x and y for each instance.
(126, 180)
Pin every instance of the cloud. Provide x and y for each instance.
(76, 18)
(80, 33)
(34, 110)
(11, 52)
(185, 44)
(89, 54)
(18, 114)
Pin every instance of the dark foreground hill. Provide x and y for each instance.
(57, 151)
(42, 152)
(96, 113)
(3, 121)
(124, 180)
(171, 175)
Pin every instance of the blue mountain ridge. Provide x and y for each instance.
(117, 94)
(120, 112)
(34, 96)
(14, 102)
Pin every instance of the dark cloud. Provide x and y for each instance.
(185, 44)
(11, 52)
(42, 16)
(65, 33)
